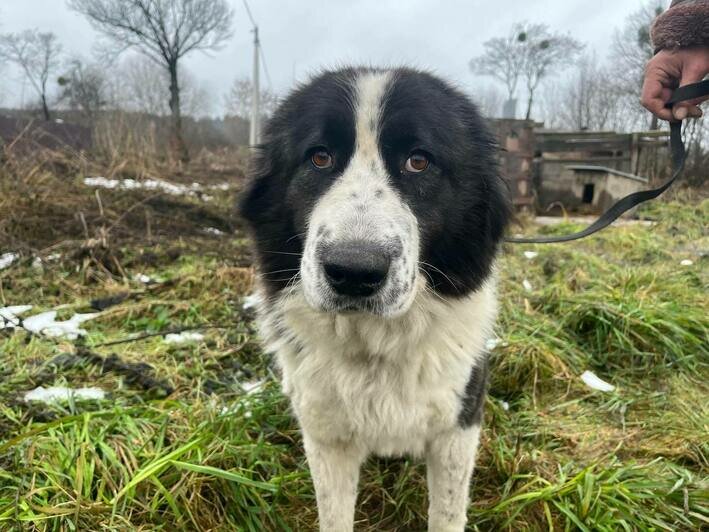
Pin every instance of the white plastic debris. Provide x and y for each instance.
(9, 316)
(251, 301)
(213, 231)
(45, 323)
(185, 336)
(686, 262)
(56, 394)
(594, 381)
(251, 386)
(527, 285)
(492, 343)
(6, 260)
(142, 278)
(530, 254)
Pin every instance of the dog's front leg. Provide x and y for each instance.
(450, 458)
(335, 471)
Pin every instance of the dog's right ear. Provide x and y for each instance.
(256, 200)
(253, 200)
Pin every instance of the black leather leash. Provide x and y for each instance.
(679, 156)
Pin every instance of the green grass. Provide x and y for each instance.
(210, 456)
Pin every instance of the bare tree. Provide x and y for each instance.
(531, 52)
(588, 99)
(489, 100)
(238, 100)
(631, 50)
(84, 88)
(545, 54)
(37, 54)
(503, 59)
(138, 86)
(164, 31)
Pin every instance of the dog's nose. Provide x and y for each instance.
(356, 268)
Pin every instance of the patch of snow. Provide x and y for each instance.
(686, 262)
(6, 259)
(100, 181)
(492, 343)
(9, 315)
(251, 301)
(594, 381)
(45, 323)
(527, 285)
(530, 254)
(37, 263)
(213, 231)
(59, 120)
(55, 394)
(185, 336)
(174, 189)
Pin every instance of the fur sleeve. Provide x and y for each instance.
(686, 23)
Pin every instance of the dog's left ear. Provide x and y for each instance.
(497, 188)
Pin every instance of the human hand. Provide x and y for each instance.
(669, 69)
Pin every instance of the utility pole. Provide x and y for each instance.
(255, 129)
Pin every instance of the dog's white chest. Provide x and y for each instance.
(386, 384)
(388, 407)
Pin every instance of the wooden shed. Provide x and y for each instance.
(583, 171)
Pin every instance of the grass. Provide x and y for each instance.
(180, 444)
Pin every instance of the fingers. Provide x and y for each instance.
(655, 92)
(682, 111)
(662, 75)
(691, 73)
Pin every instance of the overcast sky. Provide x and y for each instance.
(301, 36)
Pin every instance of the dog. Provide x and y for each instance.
(377, 211)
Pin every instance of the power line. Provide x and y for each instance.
(248, 11)
(263, 56)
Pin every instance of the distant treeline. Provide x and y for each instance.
(77, 130)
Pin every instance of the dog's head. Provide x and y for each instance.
(372, 185)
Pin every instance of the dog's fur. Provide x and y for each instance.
(402, 370)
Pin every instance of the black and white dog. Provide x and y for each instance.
(377, 212)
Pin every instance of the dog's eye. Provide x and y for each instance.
(417, 162)
(321, 159)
